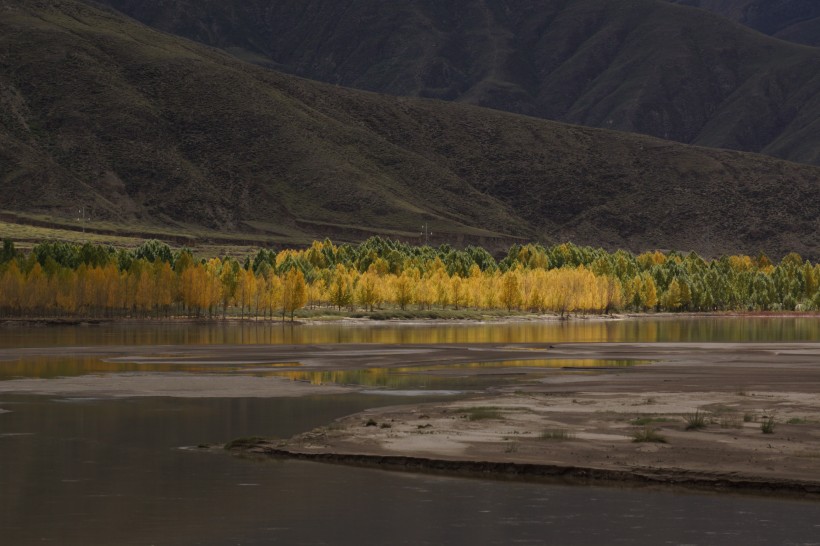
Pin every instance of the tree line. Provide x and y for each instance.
(153, 280)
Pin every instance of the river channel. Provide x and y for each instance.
(106, 471)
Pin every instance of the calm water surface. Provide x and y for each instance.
(85, 471)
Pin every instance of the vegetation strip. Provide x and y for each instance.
(568, 474)
(382, 278)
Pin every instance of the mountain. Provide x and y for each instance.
(793, 20)
(148, 129)
(645, 66)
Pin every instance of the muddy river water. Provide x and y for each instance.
(86, 470)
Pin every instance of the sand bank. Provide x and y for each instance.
(580, 425)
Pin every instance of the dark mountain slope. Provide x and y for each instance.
(793, 20)
(646, 66)
(146, 128)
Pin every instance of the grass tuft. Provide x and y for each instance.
(647, 434)
(695, 421)
(768, 424)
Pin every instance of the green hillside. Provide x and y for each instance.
(646, 66)
(158, 133)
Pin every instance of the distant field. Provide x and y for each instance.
(26, 236)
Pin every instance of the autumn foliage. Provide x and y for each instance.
(58, 279)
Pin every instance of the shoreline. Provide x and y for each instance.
(10, 322)
(551, 473)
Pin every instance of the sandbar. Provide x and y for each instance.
(568, 422)
(581, 425)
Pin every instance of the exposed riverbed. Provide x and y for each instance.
(102, 464)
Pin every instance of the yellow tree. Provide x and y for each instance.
(246, 291)
(458, 291)
(367, 290)
(229, 282)
(212, 294)
(424, 293)
(674, 297)
(294, 292)
(491, 289)
(66, 290)
(403, 290)
(510, 295)
(111, 289)
(341, 287)
(145, 288)
(472, 287)
(316, 292)
(11, 289)
(164, 287)
(613, 293)
(272, 298)
(440, 283)
(561, 295)
(537, 288)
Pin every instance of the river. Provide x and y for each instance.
(117, 471)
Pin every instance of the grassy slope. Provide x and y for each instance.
(151, 130)
(647, 66)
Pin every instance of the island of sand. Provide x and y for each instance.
(739, 417)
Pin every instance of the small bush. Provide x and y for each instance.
(647, 434)
(749, 418)
(557, 434)
(695, 421)
(371, 423)
(768, 424)
(483, 412)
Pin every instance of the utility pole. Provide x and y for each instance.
(426, 233)
(81, 217)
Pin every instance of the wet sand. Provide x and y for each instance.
(572, 423)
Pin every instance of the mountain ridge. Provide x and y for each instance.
(791, 20)
(645, 66)
(98, 111)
